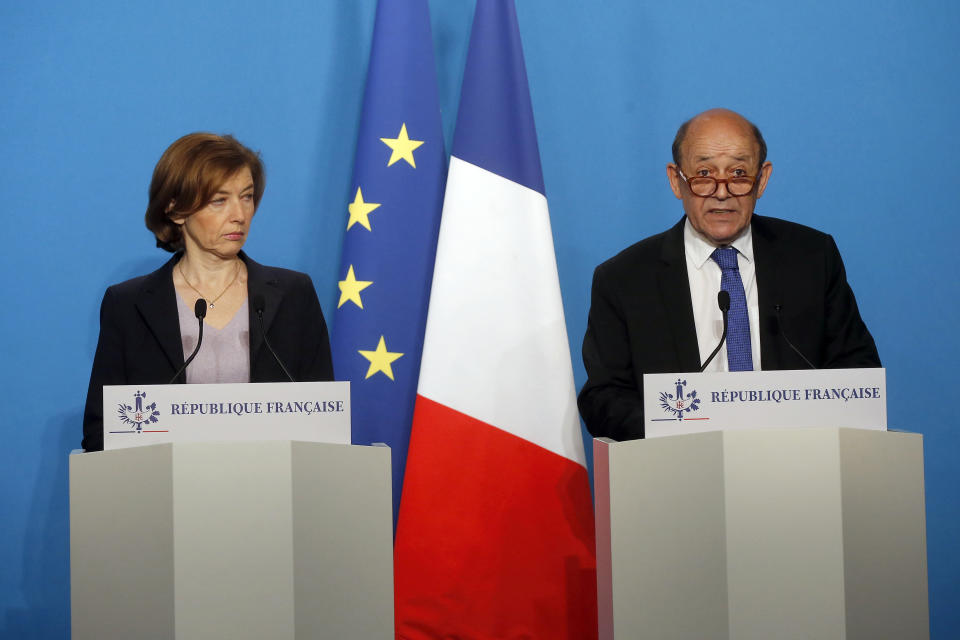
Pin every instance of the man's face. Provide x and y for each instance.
(721, 145)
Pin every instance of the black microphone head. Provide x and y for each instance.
(258, 303)
(200, 309)
(723, 300)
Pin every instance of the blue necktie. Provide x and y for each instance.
(739, 353)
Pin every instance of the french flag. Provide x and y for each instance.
(495, 535)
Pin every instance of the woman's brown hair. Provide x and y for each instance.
(188, 174)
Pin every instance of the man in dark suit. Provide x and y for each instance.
(654, 305)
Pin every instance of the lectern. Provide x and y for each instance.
(232, 540)
(778, 533)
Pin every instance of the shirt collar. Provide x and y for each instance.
(698, 249)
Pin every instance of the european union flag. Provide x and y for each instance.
(390, 240)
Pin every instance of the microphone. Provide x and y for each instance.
(258, 306)
(723, 301)
(200, 311)
(776, 308)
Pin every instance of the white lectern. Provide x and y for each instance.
(232, 540)
(785, 533)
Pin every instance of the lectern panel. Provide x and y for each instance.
(758, 534)
(122, 558)
(234, 548)
(885, 560)
(668, 544)
(784, 534)
(343, 542)
(240, 540)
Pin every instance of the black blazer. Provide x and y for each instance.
(140, 335)
(641, 317)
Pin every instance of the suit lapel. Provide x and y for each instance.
(675, 298)
(260, 283)
(157, 304)
(769, 290)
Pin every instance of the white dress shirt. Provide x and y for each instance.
(704, 275)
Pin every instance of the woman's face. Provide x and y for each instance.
(220, 228)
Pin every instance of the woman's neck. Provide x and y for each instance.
(208, 269)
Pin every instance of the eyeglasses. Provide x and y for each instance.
(706, 186)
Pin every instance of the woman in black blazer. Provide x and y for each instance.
(204, 193)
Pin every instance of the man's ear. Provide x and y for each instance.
(673, 175)
(765, 172)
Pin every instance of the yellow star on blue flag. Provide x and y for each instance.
(402, 147)
(380, 359)
(350, 289)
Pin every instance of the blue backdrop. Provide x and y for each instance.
(857, 99)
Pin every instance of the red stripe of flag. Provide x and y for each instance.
(477, 504)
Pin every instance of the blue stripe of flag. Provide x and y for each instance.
(495, 128)
(397, 254)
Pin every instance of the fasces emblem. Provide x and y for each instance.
(680, 403)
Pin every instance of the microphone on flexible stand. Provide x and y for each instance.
(723, 301)
(200, 311)
(258, 306)
(776, 308)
